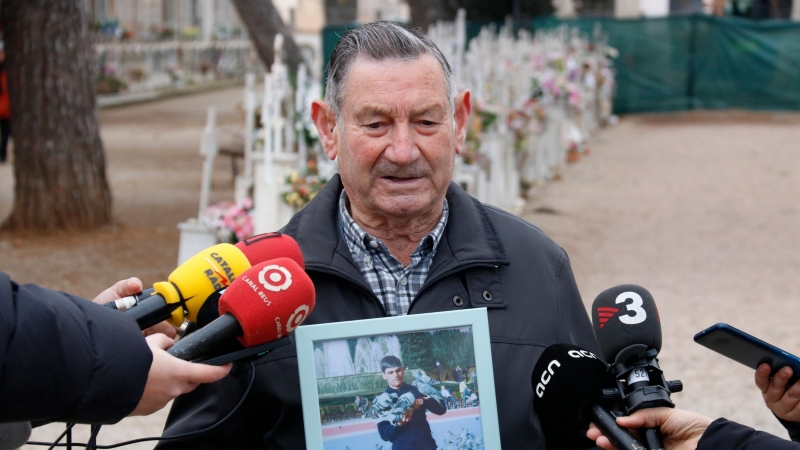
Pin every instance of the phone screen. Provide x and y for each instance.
(746, 349)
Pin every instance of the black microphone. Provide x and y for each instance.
(151, 310)
(628, 330)
(571, 386)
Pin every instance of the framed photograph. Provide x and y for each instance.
(418, 382)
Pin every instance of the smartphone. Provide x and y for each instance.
(746, 349)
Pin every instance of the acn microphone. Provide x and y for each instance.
(628, 330)
(267, 302)
(569, 385)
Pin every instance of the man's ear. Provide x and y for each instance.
(463, 107)
(325, 121)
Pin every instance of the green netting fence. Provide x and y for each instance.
(689, 62)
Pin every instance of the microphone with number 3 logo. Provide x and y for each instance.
(628, 330)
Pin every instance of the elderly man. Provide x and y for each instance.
(392, 235)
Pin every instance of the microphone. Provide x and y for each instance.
(259, 248)
(628, 330)
(267, 302)
(188, 286)
(571, 386)
(266, 246)
(149, 309)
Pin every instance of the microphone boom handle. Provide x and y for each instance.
(151, 311)
(201, 341)
(653, 439)
(607, 423)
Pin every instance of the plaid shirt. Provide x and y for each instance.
(395, 285)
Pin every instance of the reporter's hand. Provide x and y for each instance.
(681, 429)
(128, 287)
(785, 403)
(120, 289)
(171, 377)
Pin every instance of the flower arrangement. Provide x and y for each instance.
(526, 121)
(480, 121)
(303, 189)
(231, 221)
(108, 82)
(176, 73)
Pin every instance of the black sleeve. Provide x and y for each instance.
(433, 405)
(387, 430)
(724, 434)
(575, 325)
(792, 427)
(63, 358)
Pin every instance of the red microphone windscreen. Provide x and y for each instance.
(263, 247)
(269, 300)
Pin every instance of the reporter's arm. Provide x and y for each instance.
(684, 430)
(63, 358)
(128, 287)
(171, 377)
(783, 402)
(723, 433)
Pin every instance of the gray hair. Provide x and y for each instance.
(380, 41)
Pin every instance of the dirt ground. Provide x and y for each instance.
(699, 208)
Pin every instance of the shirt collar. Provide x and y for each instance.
(358, 239)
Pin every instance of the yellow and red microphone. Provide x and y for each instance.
(265, 303)
(201, 278)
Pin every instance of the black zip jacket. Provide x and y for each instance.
(724, 434)
(487, 258)
(66, 359)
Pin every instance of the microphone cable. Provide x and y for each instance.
(93, 438)
(68, 430)
(91, 444)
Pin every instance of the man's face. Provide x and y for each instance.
(394, 376)
(398, 138)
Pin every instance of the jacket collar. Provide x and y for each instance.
(469, 238)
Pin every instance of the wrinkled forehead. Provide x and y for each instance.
(422, 72)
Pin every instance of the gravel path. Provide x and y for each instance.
(701, 210)
(698, 208)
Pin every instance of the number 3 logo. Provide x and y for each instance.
(635, 306)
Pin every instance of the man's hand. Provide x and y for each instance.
(785, 403)
(128, 287)
(410, 411)
(406, 417)
(170, 377)
(682, 430)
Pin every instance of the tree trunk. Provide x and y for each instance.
(263, 22)
(59, 164)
